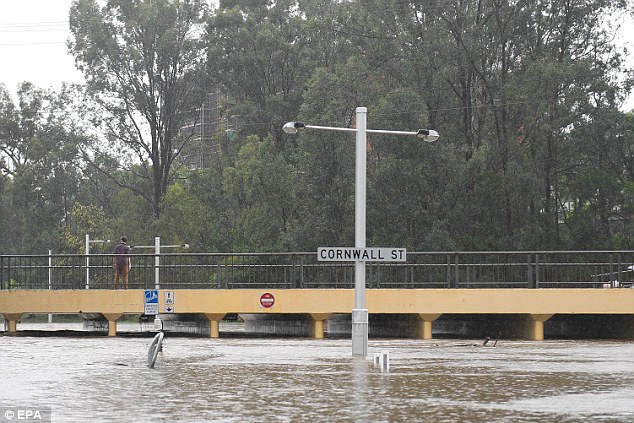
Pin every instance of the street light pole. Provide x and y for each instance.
(360, 311)
(87, 251)
(157, 257)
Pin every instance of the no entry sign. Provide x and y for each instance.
(267, 300)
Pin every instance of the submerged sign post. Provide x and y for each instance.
(361, 254)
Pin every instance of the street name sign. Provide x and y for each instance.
(361, 254)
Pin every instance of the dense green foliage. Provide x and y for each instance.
(534, 152)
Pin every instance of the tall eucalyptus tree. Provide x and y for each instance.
(144, 65)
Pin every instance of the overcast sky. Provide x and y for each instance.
(33, 36)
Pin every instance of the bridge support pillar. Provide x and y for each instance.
(627, 327)
(214, 324)
(112, 322)
(12, 321)
(425, 325)
(318, 324)
(534, 326)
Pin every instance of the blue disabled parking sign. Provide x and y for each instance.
(151, 302)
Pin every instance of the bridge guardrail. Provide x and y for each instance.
(466, 269)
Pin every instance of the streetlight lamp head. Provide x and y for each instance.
(292, 127)
(428, 135)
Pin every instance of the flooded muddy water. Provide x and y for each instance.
(241, 379)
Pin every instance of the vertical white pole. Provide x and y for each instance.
(360, 312)
(87, 251)
(50, 279)
(157, 261)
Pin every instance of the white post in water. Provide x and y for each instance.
(382, 360)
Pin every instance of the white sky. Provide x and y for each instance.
(33, 36)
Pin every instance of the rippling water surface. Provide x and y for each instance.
(237, 379)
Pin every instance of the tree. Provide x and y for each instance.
(214, 226)
(258, 53)
(39, 162)
(89, 220)
(508, 81)
(261, 186)
(325, 160)
(144, 67)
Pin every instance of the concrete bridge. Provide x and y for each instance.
(521, 291)
(524, 311)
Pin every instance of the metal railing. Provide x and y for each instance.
(466, 269)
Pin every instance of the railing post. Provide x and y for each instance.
(536, 270)
(530, 272)
(448, 271)
(533, 270)
(157, 261)
(8, 275)
(87, 251)
(226, 270)
(301, 271)
(456, 272)
(370, 275)
(50, 279)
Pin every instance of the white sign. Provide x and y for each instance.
(150, 309)
(169, 309)
(361, 254)
(151, 302)
(169, 297)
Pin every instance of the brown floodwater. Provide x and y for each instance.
(242, 379)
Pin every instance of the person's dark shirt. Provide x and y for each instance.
(122, 250)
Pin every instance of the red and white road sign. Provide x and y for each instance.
(267, 300)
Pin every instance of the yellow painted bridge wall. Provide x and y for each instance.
(536, 305)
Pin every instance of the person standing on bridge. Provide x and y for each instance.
(121, 262)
